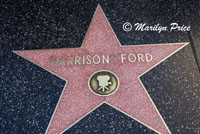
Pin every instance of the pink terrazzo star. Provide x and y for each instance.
(77, 100)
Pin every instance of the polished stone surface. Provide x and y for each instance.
(29, 94)
(127, 62)
(105, 120)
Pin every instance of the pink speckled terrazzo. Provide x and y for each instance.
(77, 100)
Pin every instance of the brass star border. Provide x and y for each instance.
(91, 46)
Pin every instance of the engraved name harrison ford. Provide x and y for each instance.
(100, 59)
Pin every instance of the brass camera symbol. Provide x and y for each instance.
(103, 83)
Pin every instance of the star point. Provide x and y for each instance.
(101, 50)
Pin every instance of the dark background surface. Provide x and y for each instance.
(29, 94)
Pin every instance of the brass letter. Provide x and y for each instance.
(77, 59)
(69, 60)
(53, 60)
(149, 57)
(122, 57)
(105, 59)
(140, 57)
(88, 57)
(99, 59)
(134, 58)
(62, 61)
